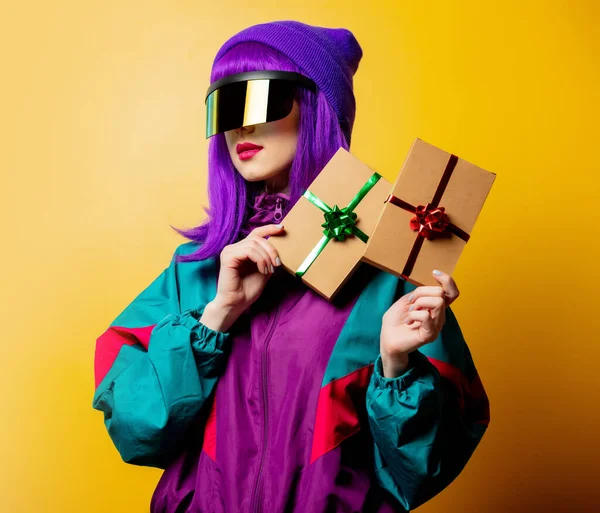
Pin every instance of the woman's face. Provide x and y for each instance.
(277, 141)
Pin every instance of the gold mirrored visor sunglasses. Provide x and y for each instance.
(251, 98)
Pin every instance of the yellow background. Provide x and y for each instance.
(103, 147)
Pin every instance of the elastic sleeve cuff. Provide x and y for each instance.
(417, 367)
(204, 339)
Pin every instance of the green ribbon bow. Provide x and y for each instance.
(339, 223)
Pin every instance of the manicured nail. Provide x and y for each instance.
(438, 273)
(279, 226)
(405, 320)
(410, 298)
(411, 308)
(277, 261)
(272, 269)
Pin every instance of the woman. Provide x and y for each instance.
(253, 392)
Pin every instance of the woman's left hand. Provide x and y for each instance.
(414, 320)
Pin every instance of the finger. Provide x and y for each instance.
(267, 230)
(265, 257)
(260, 259)
(417, 315)
(432, 320)
(399, 307)
(429, 330)
(434, 304)
(451, 291)
(253, 251)
(415, 325)
(271, 251)
(425, 291)
(422, 321)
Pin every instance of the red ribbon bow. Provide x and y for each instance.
(430, 222)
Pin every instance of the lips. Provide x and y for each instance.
(247, 150)
(242, 147)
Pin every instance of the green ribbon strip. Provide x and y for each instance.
(339, 223)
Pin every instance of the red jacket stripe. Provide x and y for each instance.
(337, 418)
(110, 343)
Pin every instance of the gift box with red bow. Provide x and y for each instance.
(428, 217)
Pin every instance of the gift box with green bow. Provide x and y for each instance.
(327, 230)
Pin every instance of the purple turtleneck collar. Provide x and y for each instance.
(268, 208)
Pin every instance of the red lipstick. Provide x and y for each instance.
(247, 150)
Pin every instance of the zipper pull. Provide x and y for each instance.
(278, 210)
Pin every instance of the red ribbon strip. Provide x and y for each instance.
(431, 220)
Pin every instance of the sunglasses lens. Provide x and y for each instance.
(247, 103)
(281, 99)
(225, 108)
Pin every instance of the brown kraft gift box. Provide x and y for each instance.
(337, 184)
(446, 186)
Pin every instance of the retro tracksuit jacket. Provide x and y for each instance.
(289, 411)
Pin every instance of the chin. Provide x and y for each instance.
(253, 175)
(253, 178)
(258, 175)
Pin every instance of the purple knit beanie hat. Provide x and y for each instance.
(328, 56)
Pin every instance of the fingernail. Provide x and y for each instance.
(410, 298)
(277, 261)
(405, 320)
(280, 226)
(272, 269)
(411, 308)
(437, 273)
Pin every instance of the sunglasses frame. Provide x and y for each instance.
(261, 75)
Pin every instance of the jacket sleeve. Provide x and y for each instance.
(427, 422)
(155, 368)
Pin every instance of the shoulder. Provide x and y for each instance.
(186, 248)
(196, 279)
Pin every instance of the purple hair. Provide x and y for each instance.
(229, 195)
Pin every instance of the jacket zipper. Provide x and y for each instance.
(264, 376)
(278, 210)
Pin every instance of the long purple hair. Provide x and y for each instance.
(319, 137)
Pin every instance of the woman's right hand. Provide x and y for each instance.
(246, 266)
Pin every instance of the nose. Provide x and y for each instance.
(247, 128)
